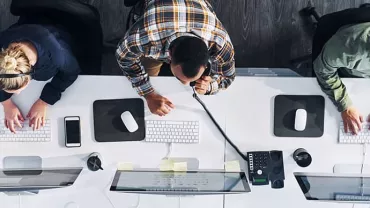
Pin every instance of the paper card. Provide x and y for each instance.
(232, 166)
(125, 166)
(166, 165)
(180, 166)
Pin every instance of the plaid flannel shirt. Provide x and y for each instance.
(162, 22)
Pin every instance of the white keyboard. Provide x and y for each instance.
(344, 197)
(172, 131)
(362, 137)
(26, 134)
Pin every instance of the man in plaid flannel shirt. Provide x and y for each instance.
(185, 34)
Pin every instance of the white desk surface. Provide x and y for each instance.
(90, 187)
(248, 121)
(250, 126)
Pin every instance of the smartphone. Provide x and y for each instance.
(72, 131)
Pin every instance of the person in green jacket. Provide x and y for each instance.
(347, 53)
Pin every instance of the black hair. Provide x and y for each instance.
(190, 53)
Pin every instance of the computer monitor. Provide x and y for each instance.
(354, 188)
(180, 183)
(33, 180)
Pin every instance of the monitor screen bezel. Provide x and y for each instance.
(243, 177)
(41, 187)
(298, 176)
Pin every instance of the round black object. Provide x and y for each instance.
(302, 157)
(277, 184)
(94, 163)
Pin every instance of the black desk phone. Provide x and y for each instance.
(266, 166)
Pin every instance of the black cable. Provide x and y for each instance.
(195, 96)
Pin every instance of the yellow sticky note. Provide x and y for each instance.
(166, 165)
(125, 166)
(180, 166)
(232, 166)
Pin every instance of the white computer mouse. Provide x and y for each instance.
(129, 121)
(300, 119)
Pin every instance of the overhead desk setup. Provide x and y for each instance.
(251, 128)
(281, 157)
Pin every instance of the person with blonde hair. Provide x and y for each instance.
(34, 52)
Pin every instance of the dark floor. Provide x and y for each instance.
(265, 33)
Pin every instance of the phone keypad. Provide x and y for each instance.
(258, 160)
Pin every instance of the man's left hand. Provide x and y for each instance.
(37, 114)
(202, 85)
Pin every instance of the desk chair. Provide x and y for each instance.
(136, 9)
(130, 3)
(81, 20)
(328, 25)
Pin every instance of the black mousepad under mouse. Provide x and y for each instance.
(108, 125)
(285, 107)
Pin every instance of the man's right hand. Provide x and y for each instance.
(352, 120)
(13, 116)
(158, 104)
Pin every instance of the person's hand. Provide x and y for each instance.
(202, 85)
(13, 117)
(352, 120)
(158, 104)
(37, 114)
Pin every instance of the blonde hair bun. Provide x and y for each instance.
(9, 63)
(14, 61)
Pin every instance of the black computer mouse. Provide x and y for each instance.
(277, 184)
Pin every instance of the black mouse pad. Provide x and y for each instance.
(285, 107)
(108, 125)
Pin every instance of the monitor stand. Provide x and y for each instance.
(351, 169)
(15, 166)
(22, 162)
(21, 193)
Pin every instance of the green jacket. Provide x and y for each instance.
(347, 50)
